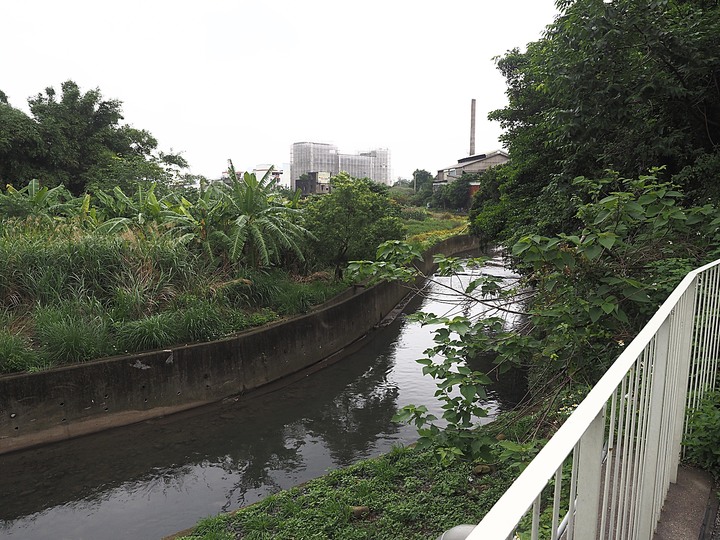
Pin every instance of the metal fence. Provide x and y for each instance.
(607, 470)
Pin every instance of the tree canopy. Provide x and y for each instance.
(621, 86)
(76, 139)
(351, 221)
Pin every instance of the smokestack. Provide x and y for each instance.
(472, 127)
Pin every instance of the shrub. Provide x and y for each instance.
(17, 355)
(154, 332)
(66, 335)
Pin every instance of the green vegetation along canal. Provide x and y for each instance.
(160, 476)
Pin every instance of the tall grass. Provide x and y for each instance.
(154, 332)
(85, 294)
(202, 321)
(72, 332)
(16, 354)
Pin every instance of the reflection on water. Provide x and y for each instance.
(154, 478)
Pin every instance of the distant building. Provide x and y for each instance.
(469, 165)
(280, 176)
(313, 183)
(323, 158)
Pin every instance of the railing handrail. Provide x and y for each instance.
(502, 519)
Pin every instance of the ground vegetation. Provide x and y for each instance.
(111, 272)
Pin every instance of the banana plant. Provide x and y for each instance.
(261, 227)
(123, 212)
(34, 200)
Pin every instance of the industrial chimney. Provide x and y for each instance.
(472, 127)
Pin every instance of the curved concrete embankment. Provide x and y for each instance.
(74, 400)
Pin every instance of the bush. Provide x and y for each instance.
(17, 355)
(65, 335)
(417, 214)
(154, 332)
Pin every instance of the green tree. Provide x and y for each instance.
(402, 194)
(20, 146)
(455, 195)
(422, 182)
(132, 159)
(487, 214)
(611, 86)
(75, 139)
(351, 221)
(77, 130)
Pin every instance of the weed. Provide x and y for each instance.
(407, 494)
(17, 355)
(154, 332)
(66, 334)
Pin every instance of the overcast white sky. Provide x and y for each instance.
(245, 79)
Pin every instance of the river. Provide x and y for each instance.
(154, 478)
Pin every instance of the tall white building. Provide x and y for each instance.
(310, 157)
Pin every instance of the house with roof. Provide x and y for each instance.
(469, 165)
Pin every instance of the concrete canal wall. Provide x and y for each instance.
(74, 400)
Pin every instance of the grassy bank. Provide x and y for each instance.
(403, 494)
(419, 221)
(72, 294)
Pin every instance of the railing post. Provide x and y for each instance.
(648, 481)
(587, 520)
(685, 320)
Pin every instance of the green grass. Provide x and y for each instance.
(17, 355)
(71, 332)
(278, 290)
(68, 295)
(434, 222)
(87, 294)
(406, 494)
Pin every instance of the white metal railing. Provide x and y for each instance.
(622, 443)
